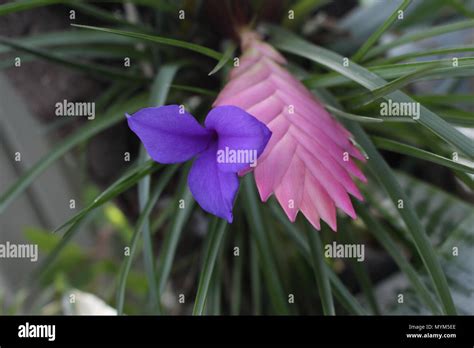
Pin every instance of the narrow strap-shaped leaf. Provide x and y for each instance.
(371, 96)
(196, 90)
(420, 35)
(158, 39)
(360, 272)
(228, 53)
(353, 117)
(214, 239)
(142, 219)
(345, 298)
(96, 69)
(130, 178)
(343, 295)
(446, 99)
(404, 149)
(424, 53)
(379, 32)
(320, 272)
(269, 268)
(393, 249)
(389, 71)
(237, 274)
(170, 242)
(68, 38)
(23, 5)
(255, 278)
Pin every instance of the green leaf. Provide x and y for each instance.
(129, 179)
(457, 116)
(360, 271)
(68, 39)
(23, 5)
(237, 274)
(420, 35)
(113, 116)
(449, 221)
(214, 237)
(404, 149)
(170, 242)
(447, 99)
(393, 249)
(344, 296)
(293, 44)
(73, 53)
(196, 90)
(445, 70)
(269, 269)
(141, 223)
(98, 70)
(47, 242)
(228, 53)
(148, 258)
(392, 86)
(353, 117)
(255, 278)
(320, 272)
(426, 53)
(214, 298)
(340, 291)
(158, 39)
(439, 212)
(379, 32)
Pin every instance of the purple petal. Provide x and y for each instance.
(213, 189)
(241, 137)
(169, 136)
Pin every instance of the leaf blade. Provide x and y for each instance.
(157, 39)
(215, 235)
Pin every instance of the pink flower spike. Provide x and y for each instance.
(308, 163)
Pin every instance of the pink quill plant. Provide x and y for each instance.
(308, 163)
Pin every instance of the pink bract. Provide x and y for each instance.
(308, 162)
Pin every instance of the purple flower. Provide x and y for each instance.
(230, 142)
